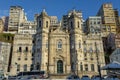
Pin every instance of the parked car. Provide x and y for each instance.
(12, 77)
(111, 78)
(85, 77)
(76, 77)
(97, 77)
(2, 78)
(31, 75)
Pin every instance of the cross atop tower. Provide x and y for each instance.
(44, 9)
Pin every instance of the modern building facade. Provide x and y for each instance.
(117, 40)
(119, 19)
(28, 27)
(54, 20)
(16, 18)
(5, 49)
(1, 26)
(60, 51)
(94, 24)
(64, 21)
(109, 18)
(116, 12)
(5, 21)
(21, 54)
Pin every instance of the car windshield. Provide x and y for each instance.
(85, 78)
(31, 73)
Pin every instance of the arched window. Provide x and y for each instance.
(26, 49)
(20, 49)
(39, 23)
(78, 24)
(59, 66)
(46, 24)
(71, 25)
(59, 45)
(79, 44)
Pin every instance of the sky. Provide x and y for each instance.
(56, 7)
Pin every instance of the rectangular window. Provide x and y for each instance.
(81, 67)
(86, 67)
(20, 49)
(32, 58)
(91, 58)
(85, 54)
(25, 58)
(32, 67)
(59, 45)
(92, 67)
(18, 67)
(19, 58)
(85, 58)
(25, 67)
(84, 42)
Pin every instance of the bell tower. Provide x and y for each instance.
(75, 29)
(43, 25)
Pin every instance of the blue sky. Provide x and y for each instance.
(56, 7)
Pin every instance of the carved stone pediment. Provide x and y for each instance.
(58, 31)
(59, 57)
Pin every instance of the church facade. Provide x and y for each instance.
(61, 51)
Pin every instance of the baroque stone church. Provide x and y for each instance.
(63, 49)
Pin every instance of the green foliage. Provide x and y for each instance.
(6, 37)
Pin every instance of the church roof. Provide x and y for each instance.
(58, 30)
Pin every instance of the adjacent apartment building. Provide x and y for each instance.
(109, 17)
(5, 21)
(5, 49)
(21, 54)
(16, 18)
(28, 27)
(1, 25)
(94, 24)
